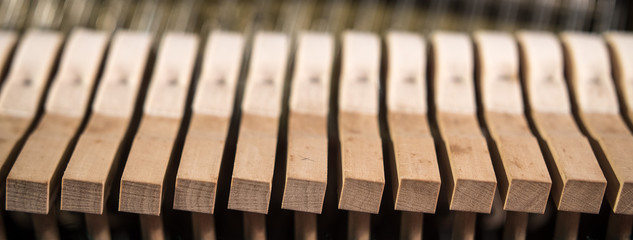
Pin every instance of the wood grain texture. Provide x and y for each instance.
(307, 156)
(577, 180)
(362, 176)
(305, 226)
(36, 174)
(197, 178)
(306, 169)
(468, 172)
(254, 164)
(12, 130)
(358, 226)
(203, 226)
(142, 180)
(614, 139)
(203, 151)
(416, 176)
(32, 64)
(415, 171)
(524, 181)
(596, 106)
(578, 183)
(88, 176)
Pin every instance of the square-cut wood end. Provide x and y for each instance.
(303, 195)
(624, 202)
(194, 196)
(141, 198)
(249, 196)
(26, 196)
(82, 196)
(473, 196)
(581, 196)
(417, 196)
(361, 196)
(527, 196)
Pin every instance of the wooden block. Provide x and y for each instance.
(305, 226)
(468, 173)
(577, 180)
(620, 46)
(362, 177)
(144, 174)
(34, 57)
(597, 108)
(306, 166)
(257, 140)
(35, 176)
(524, 182)
(306, 171)
(416, 176)
(87, 178)
(196, 181)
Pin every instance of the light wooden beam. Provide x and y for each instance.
(467, 169)
(144, 173)
(467, 172)
(197, 178)
(34, 179)
(577, 180)
(257, 140)
(22, 91)
(416, 176)
(620, 46)
(597, 109)
(524, 182)
(306, 166)
(362, 177)
(88, 177)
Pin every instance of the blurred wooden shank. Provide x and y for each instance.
(598, 111)
(572, 165)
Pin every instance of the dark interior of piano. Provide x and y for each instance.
(316, 119)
